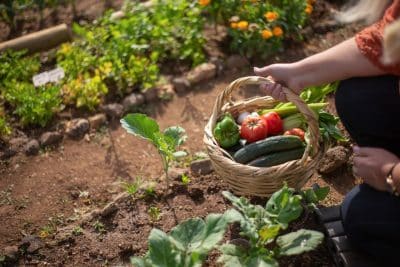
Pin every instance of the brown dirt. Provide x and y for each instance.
(51, 191)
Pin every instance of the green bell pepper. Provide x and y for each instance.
(226, 132)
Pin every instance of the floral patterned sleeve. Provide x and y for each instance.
(369, 40)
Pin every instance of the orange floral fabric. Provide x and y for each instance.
(369, 40)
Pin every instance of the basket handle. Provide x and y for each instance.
(225, 98)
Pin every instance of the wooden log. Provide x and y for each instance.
(39, 41)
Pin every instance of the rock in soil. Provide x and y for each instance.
(181, 84)
(334, 158)
(132, 101)
(114, 110)
(7, 153)
(109, 209)
(32, 147)
(32, 243)
(18, 143)
(202, 166)
(50, 138)
(77, 128)
(97, 121)
(151, 95)
(201, 73)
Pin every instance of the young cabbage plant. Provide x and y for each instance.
(261, 228)
(166, 142)
(188, 243)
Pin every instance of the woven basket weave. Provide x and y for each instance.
(261, 181)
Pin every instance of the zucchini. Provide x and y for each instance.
(267, 145)
(278, 158)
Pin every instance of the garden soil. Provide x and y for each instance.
(45, 196)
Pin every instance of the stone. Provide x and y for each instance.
(64, 235)
(11, 254)
(133, 101)
(7, 153)
(181, 84)
(151, 94)
(166, 91)
(219, 63)
(97, 121)
(236, 62)
(32, 243)
(18, 143)
(113, 110)
(32, 147)
(201, 73)
(334, 158)
(77, 128)
(50, 138)
(176, 173)
(202, 166)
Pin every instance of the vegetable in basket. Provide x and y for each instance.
(253, 128)
(226, 132)
(274, 122)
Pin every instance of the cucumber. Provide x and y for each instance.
(277, 158)
(267, 145)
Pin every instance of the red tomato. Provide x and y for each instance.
(274, 122)
(253, 128)
(295, 131)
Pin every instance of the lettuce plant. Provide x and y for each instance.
(261, 228)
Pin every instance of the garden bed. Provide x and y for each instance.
(43, 199)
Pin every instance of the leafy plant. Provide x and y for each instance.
(166, 142)
(99, 227)
(34, 106)
(258, 28)
(132, 188)
(154, 213)
(77, 230)
(188, 243)
(185, 179)
(262, 226)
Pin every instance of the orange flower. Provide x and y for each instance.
(204, 2)
(309, 9)
(234, 25)
(266, 34)
(271, 16)
(242, 25)
(277, 31)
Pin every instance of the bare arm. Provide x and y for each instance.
(337, 63)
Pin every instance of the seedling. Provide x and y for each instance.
(132, 188)
(99, 227)
(166, 142)
(154, 213)
(77, 230)
(185, 179)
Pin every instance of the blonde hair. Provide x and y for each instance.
(367, 11)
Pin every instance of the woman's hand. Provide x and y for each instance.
(283, 75)
(372, 165)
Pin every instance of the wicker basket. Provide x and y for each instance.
(257, 181)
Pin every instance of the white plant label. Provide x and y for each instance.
(54, 75)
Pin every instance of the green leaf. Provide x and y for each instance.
(161, 250)
(231, 255)
(188, 233)
(142, 126)
(259, 261)
(269, 232)
(215, 229)
(284, 206)
(298, 242)
(178, 135)
(140, 262)
(322, 192)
